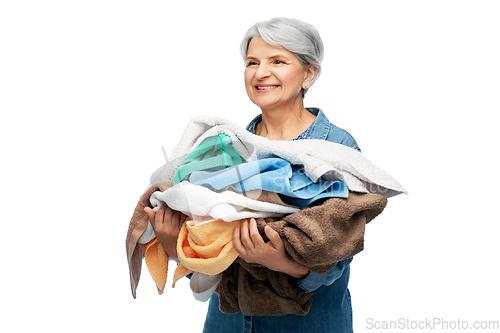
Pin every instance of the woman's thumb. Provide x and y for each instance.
(151, 213)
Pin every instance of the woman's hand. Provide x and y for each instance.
(167, 224)
(251, 247)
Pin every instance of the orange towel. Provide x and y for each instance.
(157, 262)
(206, 247)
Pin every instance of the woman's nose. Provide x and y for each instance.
(262, 72)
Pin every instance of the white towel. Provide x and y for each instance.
(320, 158)
(203, 286)
(200, 203)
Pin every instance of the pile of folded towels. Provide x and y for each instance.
(317, 195)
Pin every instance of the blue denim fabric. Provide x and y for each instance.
(320, 129)
(331, 310)
(273, 175)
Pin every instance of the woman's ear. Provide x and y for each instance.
(309, 76)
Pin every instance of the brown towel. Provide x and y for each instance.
(317, 237)
(138, 223)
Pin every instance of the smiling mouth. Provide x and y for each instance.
(266, 87)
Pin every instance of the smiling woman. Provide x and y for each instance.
(282, 60)
(275, 80)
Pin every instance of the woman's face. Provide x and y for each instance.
(273, 76)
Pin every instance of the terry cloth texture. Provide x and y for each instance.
(136, 250)
(319, 158)
(273, 175)
(206, 246)
(317, 237)
(199, 202)
(157, 262)
(137, 226)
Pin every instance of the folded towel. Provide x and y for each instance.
(317, 237)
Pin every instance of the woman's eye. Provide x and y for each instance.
(251, 63)
(278, 62)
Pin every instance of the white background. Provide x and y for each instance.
(91, 90)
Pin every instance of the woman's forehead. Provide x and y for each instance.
(258, 48)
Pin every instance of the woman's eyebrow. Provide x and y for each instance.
(279, 55)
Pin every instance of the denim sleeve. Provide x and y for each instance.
(313, 280)
(338, 135)
(350, 142)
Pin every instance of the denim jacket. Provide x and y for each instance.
(331, 310)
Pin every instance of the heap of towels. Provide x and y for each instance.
(318, 197)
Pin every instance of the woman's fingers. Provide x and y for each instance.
(167, 224)
(250, 245)
(178, 219)
(255, 236)
(245, 238)
(158, 217)
(274, 237)
(167, 215)
(237, 242)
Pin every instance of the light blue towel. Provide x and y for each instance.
(273, 175)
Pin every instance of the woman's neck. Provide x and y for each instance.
(284, 124)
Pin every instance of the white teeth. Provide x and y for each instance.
(266, 87)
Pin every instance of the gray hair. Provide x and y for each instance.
(298, 37)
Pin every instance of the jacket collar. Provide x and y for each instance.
(317, 130)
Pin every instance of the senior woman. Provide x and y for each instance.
(283, 59)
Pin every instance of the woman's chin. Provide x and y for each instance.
(266, 102)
